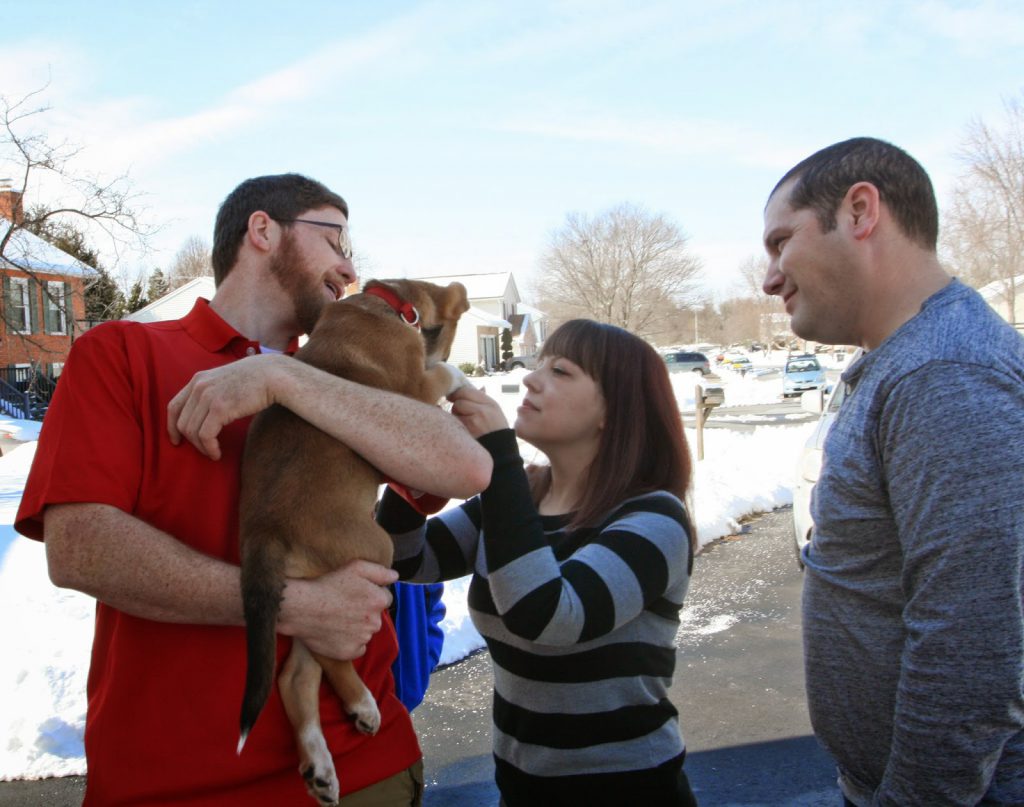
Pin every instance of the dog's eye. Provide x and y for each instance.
(431, 334)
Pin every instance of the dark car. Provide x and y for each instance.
(681, 361)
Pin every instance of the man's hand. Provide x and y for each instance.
(336, 615)
(214, 398)
(477, 411)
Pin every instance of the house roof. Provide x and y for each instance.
(483, 286)
(483, 318)
(997, 288)
(175, 304)
(29, 252)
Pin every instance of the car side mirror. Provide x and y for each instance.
(813, 401)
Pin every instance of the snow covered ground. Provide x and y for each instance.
(46, 632)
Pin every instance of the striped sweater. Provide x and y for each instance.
(580, 626)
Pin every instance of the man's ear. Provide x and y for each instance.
(863, 205)
(259, 232)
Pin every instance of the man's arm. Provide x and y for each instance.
(129, 565)
(411, 442)
(954, 482)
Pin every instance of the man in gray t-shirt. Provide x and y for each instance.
(912, 607)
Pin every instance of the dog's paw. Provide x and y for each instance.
(457, 378)
(366, 714)
(317, 768)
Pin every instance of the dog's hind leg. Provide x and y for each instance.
(299, 684)
(355, 697)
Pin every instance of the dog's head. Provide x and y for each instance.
(439, 310)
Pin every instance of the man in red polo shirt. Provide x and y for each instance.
(134, 489)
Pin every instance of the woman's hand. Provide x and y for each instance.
(477, 411)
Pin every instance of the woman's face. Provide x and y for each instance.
(563, 406)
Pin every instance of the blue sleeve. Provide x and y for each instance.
(417, 612)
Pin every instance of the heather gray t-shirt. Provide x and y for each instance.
(912, 610)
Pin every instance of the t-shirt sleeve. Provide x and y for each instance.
(90, 446)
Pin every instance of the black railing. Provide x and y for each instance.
(25, 392)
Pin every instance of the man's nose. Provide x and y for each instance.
(773, 280)
(348, 271)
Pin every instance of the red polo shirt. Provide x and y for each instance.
(164, 699)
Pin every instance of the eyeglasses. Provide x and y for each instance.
(344, 242)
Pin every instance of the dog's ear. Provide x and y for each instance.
(455, 302)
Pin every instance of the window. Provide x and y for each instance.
(54, 306)
(19, 310)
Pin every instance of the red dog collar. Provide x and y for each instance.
(406, 310)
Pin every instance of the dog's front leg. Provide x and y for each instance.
(440, 380)
(299, 684)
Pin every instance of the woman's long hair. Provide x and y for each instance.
(642, 446)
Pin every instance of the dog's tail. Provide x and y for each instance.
(262, 588)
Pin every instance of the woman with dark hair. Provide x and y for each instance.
(580, 569)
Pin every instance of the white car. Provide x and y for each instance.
(809, 466)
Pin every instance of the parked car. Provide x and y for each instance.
(741, 364)
(679, 361)
(521, 362)
(801, 374)
(809, 465)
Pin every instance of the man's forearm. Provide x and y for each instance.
(414, 443)
(121, 561)
(131, 566)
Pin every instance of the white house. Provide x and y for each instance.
(495, 305)
(175, 304)
(998, 294)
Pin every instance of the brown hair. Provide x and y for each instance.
(280, 196)
(642, 446)
(822, 180)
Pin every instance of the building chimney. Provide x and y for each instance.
(10, 202)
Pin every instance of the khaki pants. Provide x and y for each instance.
(402, 789)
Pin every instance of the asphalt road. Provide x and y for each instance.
(738, 687)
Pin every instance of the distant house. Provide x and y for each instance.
(495, 305)
(1000, 293)
(175, 304)
(43, 307)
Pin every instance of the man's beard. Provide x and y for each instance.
(294, 275)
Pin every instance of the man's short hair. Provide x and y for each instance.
(822, 180)
(280, 196)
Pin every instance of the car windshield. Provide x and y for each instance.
(803, 366)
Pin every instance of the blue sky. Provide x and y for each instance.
(462, 133)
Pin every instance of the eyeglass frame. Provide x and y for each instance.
(344, 239)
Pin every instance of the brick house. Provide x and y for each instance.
(43, 307)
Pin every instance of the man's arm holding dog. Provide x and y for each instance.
(414, 443)
(129, 565)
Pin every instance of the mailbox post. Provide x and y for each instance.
(704, 400)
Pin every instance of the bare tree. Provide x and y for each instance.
(191, 261)
(755, 310)
(984, 232)
(627, 267)
(37, 167)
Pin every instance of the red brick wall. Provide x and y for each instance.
(41, 347)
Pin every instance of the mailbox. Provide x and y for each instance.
(712, 397)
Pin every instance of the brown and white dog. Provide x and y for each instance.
(307, 500)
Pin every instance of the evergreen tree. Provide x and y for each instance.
(157, 286)
(506, 345)
(103, 299)
(136, 298)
